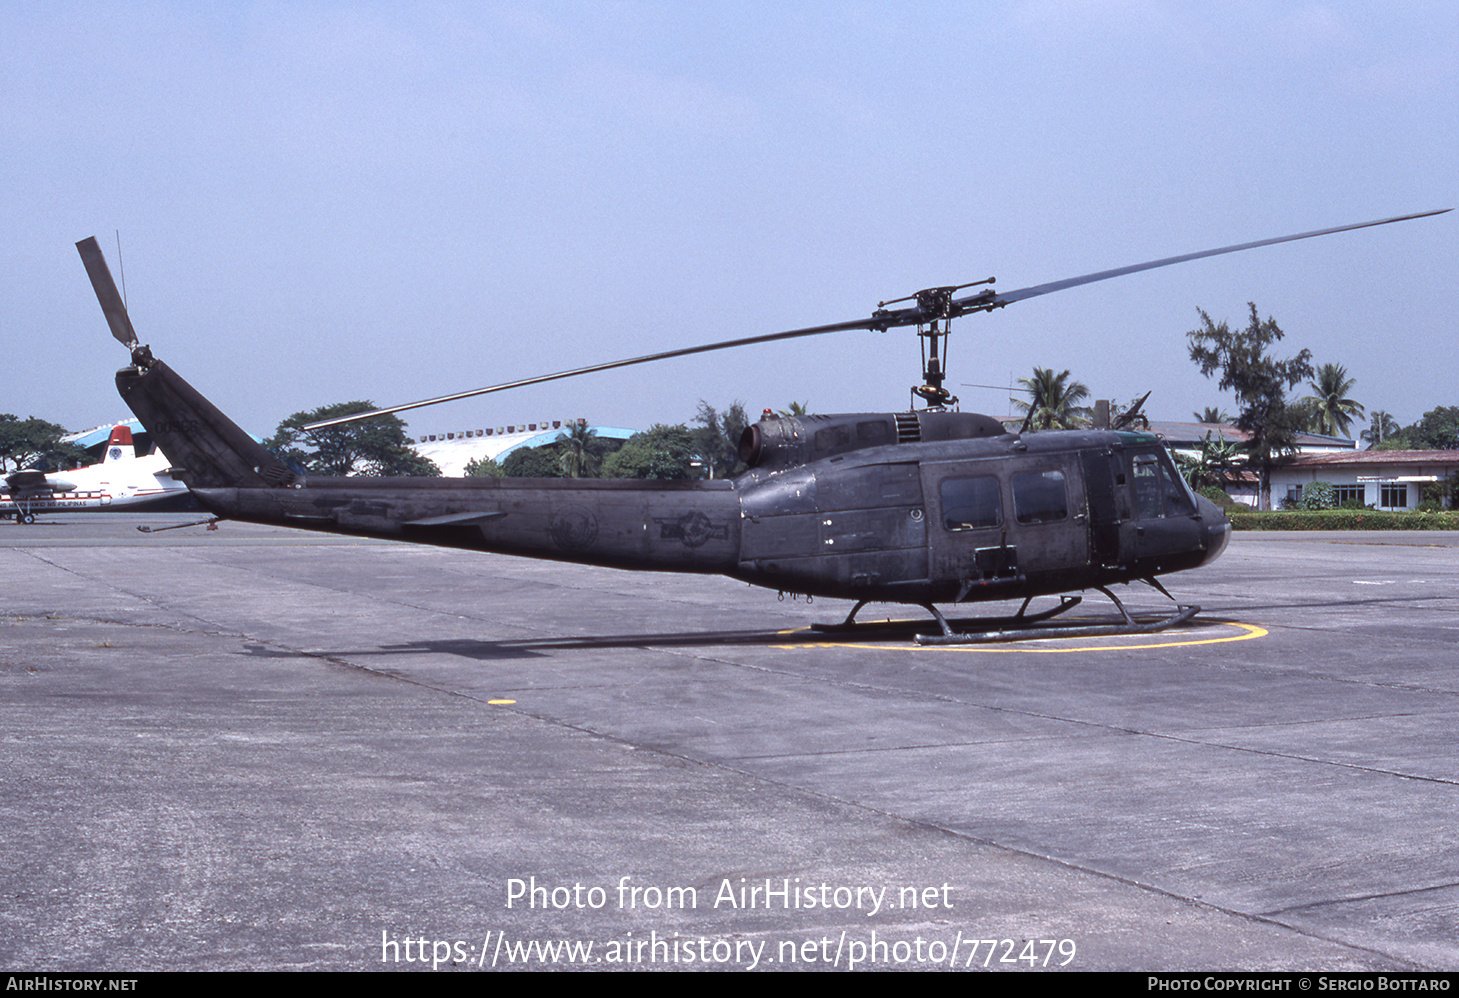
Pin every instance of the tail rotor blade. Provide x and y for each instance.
(106, 292)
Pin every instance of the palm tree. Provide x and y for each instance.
(1218, 463)
(1212, 414)
(1333, 411)
(576, 451)
(1380, 428)
(1054, 401)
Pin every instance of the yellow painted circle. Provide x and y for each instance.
(1055, 646)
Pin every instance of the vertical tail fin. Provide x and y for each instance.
(119, 446)
(208, 449)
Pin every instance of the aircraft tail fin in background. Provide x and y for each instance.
(119, 446)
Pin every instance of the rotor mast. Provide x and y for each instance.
(934, 315)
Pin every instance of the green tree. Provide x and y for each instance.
(717, 438)
(1305, 415)
(1212, 414)
(1129, 415)
(1217, 464)
(1437, 430)
(1053, 402)
(1260, 382)
(376, 446)
(531, 462)
(483, 467)
(660, 452)
(27, 441)
(579, 451)
(1448, 491)
(797, 409)
(1333, 411)
(1381, 426)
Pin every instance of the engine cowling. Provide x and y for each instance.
(775, 444)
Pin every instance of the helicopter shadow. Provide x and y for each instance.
(868, 633)
(526, 648)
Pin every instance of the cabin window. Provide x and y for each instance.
(971, 503)
(1040, 497)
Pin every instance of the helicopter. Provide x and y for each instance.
(925, 507)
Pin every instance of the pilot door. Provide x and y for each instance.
(1164, 522)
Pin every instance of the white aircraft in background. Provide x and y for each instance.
(122, 482)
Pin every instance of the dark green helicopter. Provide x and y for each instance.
(922, 507)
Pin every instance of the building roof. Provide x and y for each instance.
(1178, 434)
(1381, 458)
(454, 450)
(98, 435)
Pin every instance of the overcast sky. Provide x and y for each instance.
(321, 202)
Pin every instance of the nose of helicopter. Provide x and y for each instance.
(1218, 528)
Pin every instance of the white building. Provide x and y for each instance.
(1185, 439)
(1383, 479)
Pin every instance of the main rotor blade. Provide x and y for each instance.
(790, 334)
(1008, 297)
(882, 320)
(106, 292)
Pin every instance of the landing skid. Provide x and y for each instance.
(1129, 626)
(1018, 619)
(1019, 626)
